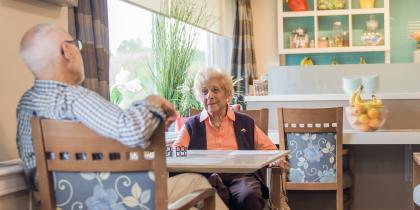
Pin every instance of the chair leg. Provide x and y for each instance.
(339, 197)
(210, 203)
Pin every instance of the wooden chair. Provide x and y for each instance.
(320, 132)
(260, 117)
(416, 181)
(89, 169)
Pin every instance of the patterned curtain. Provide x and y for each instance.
(243, 56)
(89, 23)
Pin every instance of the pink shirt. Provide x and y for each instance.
(223, 138)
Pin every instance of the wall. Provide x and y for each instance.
(15, 18)
(265, 31)
(401, 45)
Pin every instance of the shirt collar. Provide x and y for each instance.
(230, 115)
(48, 84)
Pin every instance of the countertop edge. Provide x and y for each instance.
(329, 97)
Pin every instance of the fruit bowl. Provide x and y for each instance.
(366, 118)
(415, 35)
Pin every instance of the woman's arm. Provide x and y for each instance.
(183, 138)
(261, 141)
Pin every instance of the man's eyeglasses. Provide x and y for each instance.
(76, 42)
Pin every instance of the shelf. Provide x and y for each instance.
(319, 24)
(299, 14)
(367, 11)
(333, 50)
(333, 12)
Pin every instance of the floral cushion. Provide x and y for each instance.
(104, 191)
(312, 157)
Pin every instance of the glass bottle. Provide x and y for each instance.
(370, 36)
(346, 39)
(337, 34)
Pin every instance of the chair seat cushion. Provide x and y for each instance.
(416, 195)
(103, 190)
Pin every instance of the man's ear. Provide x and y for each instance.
(66, 51)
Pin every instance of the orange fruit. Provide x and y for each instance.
(373, 113)
(375, 123)
(364, 127)
(364, 119)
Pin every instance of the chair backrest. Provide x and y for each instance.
(68, 149)
(260, 117)
(314, 138)
(194, 112)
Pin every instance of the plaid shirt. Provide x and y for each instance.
(58, 101)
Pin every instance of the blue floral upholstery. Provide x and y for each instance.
(312, 157)
(104, 191)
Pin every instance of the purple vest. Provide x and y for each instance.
(243, 126)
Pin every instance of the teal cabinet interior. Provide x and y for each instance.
(319, 24)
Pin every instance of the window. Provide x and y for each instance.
(130, 35)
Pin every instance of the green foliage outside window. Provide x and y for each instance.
(174, 48)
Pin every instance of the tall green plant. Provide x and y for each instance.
(174, 44)
(188, 100)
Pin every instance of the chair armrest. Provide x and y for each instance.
(191, 199)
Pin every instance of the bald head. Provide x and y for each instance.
(40, 46)
(48, 52)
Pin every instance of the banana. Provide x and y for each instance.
(358, 97)
(362, 60)
(309, 61)
(355, 97)
(334, 61)
(303, 61)
(356, 100)
(375, 102)
(306, 61)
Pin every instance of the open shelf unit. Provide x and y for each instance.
(319, 23)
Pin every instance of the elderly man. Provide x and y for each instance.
(54, 58)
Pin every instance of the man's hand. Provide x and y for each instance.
(165, 105)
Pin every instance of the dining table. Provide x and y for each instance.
(230, 161)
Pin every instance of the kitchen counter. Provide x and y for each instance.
(328, 97)
(379, 137)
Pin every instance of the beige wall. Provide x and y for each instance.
(16, 16)
(265, 33)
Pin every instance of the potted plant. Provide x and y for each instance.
(174, 47)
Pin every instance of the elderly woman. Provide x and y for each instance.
(220, 128)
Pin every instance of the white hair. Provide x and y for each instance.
(211, 73)
(39, 46)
